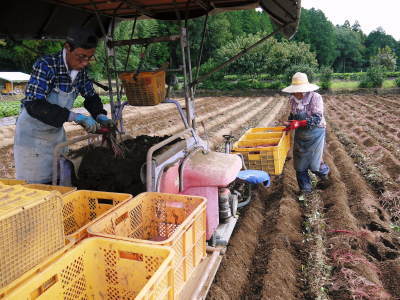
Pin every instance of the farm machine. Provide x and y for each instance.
(187, 167)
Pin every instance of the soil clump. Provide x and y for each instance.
(101, 170)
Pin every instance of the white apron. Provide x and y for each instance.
(35, 141)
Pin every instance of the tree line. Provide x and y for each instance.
(317, 44)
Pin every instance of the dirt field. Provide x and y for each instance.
(339, 243)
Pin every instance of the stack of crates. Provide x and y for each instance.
(143, 248)
(264, 148)
(31, 229)
(159, 219)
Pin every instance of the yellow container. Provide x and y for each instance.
(5, 291)
(31, 229)
(177, 221)
(145, 88)
(100, 268)
(64, 190)
(81, 208)
(9, 181)
(267, 154)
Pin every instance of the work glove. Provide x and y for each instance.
(104, 121)
(88, 123)
(295, 124)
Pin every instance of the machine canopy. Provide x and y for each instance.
(50, 19)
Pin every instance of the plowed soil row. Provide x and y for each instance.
(339, 243)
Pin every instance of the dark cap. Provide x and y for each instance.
(81, 37)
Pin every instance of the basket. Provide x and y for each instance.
(100, 268)
(145, 88)
(5, 291)
(9, 181)
(177, 221)
(64, 190)
(81, 208)
(264, 148)
(31, 229)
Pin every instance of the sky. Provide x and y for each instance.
(371, 14)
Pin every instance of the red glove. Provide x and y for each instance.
(296, 124)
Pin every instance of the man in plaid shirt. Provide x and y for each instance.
(55, 82)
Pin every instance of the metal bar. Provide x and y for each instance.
(144, 41)
(185, 81)
(149, 157)
(232, 59)
(115, 66)
(206, 273)
(180, 110)
(130, 46)
(201, 48)
(110, 92)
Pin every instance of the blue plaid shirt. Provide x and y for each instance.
(50, 72)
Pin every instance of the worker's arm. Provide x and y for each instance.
(39, 86)
(92, 101)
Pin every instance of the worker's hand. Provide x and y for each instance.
(296, 124)
(88, 123)
(104, 121)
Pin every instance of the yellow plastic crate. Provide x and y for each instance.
(81, 208)
(9, 181)
(100, 268)
(64, 190)
(262, 136)
(177, 221)
(264, 154)
(145, 88)
(8, 289)
(31, 229)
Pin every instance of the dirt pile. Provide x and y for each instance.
(101, 170)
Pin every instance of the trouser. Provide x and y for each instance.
(303, 178)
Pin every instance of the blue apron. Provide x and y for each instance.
(308, 149)
(35, 141)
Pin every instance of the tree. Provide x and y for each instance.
(376, 40)
(349, 49)
(316, 30)
(386, 58)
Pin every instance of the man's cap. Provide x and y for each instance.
(81, 37)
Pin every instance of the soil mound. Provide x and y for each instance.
(101, 170)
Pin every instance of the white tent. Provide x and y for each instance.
(14, 76)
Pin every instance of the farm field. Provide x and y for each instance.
(340, 243)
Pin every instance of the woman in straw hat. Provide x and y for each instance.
(307, 119)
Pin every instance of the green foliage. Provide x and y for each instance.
(317, 31)
(9, 108)
(325, 77)
(397, 81)
(290, 71)
(385, 58)
(373, 78)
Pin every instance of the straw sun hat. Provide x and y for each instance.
(300, 84)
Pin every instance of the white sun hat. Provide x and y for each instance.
(300, 84)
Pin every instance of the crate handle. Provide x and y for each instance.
(105, 201)
(131, 255)
(44, 287)
(120, 218)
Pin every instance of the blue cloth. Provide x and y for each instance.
(255, 177)
(34, 141)
(307, 155)
(50, 72)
